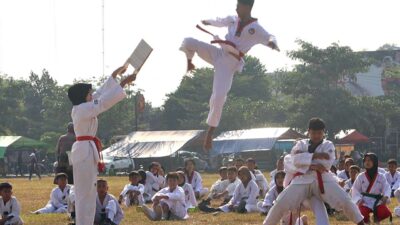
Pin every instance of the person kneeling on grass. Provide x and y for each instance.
(108, 211)
(132, 194)
(58, 197)
(168, 203)
(371, 192)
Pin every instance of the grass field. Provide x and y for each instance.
(34, 194)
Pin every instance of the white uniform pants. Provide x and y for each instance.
(85, 178)
(225, 66)
(291, 198)
(49, 208)
(249, 208)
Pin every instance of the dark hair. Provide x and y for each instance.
(251, 160)
(232, 169)
(172, 175)
(246, 171)
(181, 173)
(246, 2)
(355, 167)
(392, 161)
(152, 164)
(143, 176)
(349, 160)
(190, 160)
(134, 173)
(316, 124)
(5, 185)
(70, 127)
(222, 169)
(239, 160)
(99, 181)
(77, 93)
(58, 176)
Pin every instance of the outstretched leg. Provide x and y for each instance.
(224, 70)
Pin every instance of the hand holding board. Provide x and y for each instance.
(139, 56)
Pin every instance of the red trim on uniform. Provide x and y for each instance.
(224, 42)
(239, 28)
(319, 180)
(100, 165)
(204, 30)
(371, 182)
(238, 57)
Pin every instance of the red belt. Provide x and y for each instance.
(319, 179)
(237, 56)
(100, 165)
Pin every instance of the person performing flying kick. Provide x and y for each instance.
(244, 32)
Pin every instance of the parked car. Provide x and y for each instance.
(116, 164)
(201, 164)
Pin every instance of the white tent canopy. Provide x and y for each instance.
(259, 139)
(149, 144)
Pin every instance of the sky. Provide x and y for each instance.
(65, 37)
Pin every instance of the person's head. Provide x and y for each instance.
(392, 165)
(239, 162)
(223, 173)
(190, 165)
(251, 164)
(333, 169)
(232, 173)
(371, 161)
(161, 171)
(347, 163)
(154, 167)
(279, 163)
(243, 8)
(61, 179)
(244, 174)
(102, 187)
(70, 128)
(354, 171)
(172, 180)
(134, 177)
(316, 130)
(6, 191)
(143, 176)
(346, 157)
(80, 93)
(279, 178)
(341, 164)
(181, 178)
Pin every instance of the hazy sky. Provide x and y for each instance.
(65, 37)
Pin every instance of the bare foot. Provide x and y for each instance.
(190, 66)
(208, 143)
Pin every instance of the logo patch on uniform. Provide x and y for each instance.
(330, 150)
(96, 101)
(252, 31)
